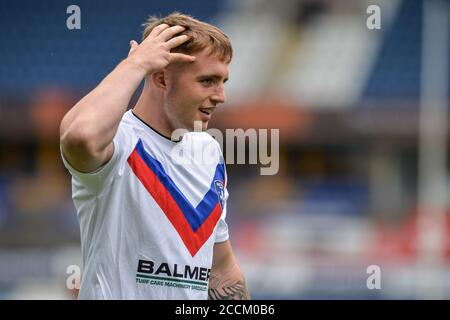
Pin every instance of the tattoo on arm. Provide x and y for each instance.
(224, 290)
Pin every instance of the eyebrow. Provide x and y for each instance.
(214, 76)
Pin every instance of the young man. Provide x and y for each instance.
(153, 227)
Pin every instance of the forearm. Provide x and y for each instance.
(228, 285)
(97, 116)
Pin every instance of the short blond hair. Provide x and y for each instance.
(203, 35)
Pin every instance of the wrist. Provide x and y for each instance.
(136, 65)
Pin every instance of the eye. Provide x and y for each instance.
(206, 82)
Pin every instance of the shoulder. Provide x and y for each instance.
(206, 144)
(127, 128)
(204, 139)
(127, 120)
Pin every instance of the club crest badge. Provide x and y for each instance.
(220, 192)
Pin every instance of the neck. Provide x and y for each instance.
(149, 109)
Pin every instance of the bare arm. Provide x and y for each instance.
(227, 281)
(87, 130)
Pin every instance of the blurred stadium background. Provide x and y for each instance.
(362, 115)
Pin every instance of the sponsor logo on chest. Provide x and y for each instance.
(172, 275)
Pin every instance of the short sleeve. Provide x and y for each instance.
(222, 226)
(96, 181)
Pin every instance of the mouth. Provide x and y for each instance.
(206, 111)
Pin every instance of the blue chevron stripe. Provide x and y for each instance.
(195, 216)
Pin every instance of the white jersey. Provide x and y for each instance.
(149, 219)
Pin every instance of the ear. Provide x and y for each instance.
(159, 79)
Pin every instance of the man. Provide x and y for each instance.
(152, 227)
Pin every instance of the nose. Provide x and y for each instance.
(218, 96)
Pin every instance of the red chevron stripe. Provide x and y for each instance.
(192, 240)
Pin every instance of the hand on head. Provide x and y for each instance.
(153, 54)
